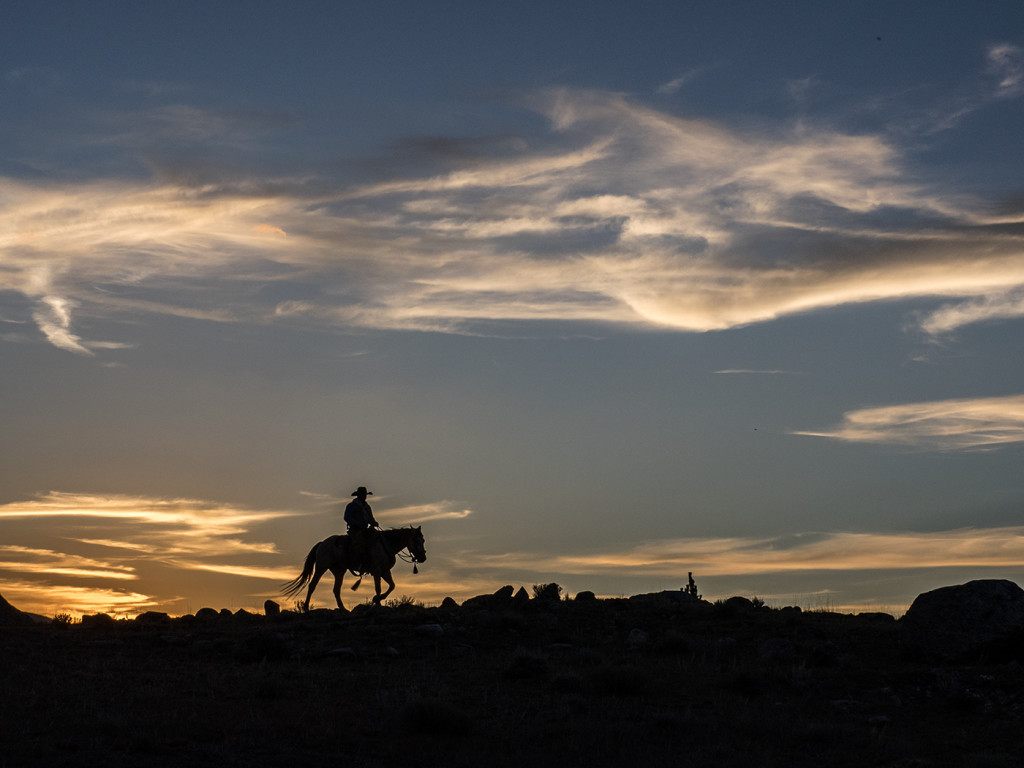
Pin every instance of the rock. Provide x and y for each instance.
(586, 596)
(346, 653)
(207, 614)
(503, 595)
(983, 617)
(449, 603)
(739, 604)
(637, 639)
(153, 618)
(674, 596)
(11, 616)
(521, 597)
(430, 629)
(500, 599)
(260, 647)
(270, 608)
(777, 649)
(98, 621)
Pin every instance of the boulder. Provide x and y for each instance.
(777, 649)
(673, 596)
(99, 621)
(637, 639)
(270, 608)
(500, 599)
(11, 616)
(979, 618)
(153, 618)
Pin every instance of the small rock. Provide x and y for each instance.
(777, 649)
(342, 653)
(637, 638)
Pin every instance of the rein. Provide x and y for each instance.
(406, 557)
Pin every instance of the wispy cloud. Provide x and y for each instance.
(621, 214)
(951, 317)
(30, 560)
(769, 371)
(421, 513)
(135, 534)
(152, 542)
(1006, 63)
(943, 425)
(46, 601)
(965, 548)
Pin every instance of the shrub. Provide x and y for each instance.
(548, 592)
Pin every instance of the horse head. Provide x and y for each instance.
(417, 546)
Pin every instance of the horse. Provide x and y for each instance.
(332, 554)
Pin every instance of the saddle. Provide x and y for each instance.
(360, 547)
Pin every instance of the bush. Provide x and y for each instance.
(547, 592)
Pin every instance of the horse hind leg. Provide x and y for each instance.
(312, 585)
(339, 577)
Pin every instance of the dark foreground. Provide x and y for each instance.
(528, 684)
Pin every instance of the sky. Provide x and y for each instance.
(600, 294)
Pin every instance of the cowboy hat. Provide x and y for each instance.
(362, 489)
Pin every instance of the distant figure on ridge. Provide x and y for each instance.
(361, 524)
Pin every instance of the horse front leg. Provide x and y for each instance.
(379, 598)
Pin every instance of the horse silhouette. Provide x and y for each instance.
(333, 554)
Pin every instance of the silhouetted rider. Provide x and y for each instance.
(359, 518)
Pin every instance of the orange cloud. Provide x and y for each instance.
(267, 229)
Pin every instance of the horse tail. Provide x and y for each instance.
(292, 587)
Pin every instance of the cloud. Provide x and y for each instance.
(41, 599)
(136, 534)
(1006, 63)
(843, 551)
(53, 317)
(772, 372)
(951, 317)
(57, 563)
(945, 425)
(152, 542)
(620, 214)
(421, 513)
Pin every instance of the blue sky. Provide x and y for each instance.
(597, 293)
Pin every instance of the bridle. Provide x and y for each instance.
(406, 557)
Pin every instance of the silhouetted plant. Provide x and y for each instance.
(691, 587)
(401, 602)
(549, 592)
(63, 619)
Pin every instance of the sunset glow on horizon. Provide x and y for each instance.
(597, 298)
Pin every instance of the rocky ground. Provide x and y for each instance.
(505, 681)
